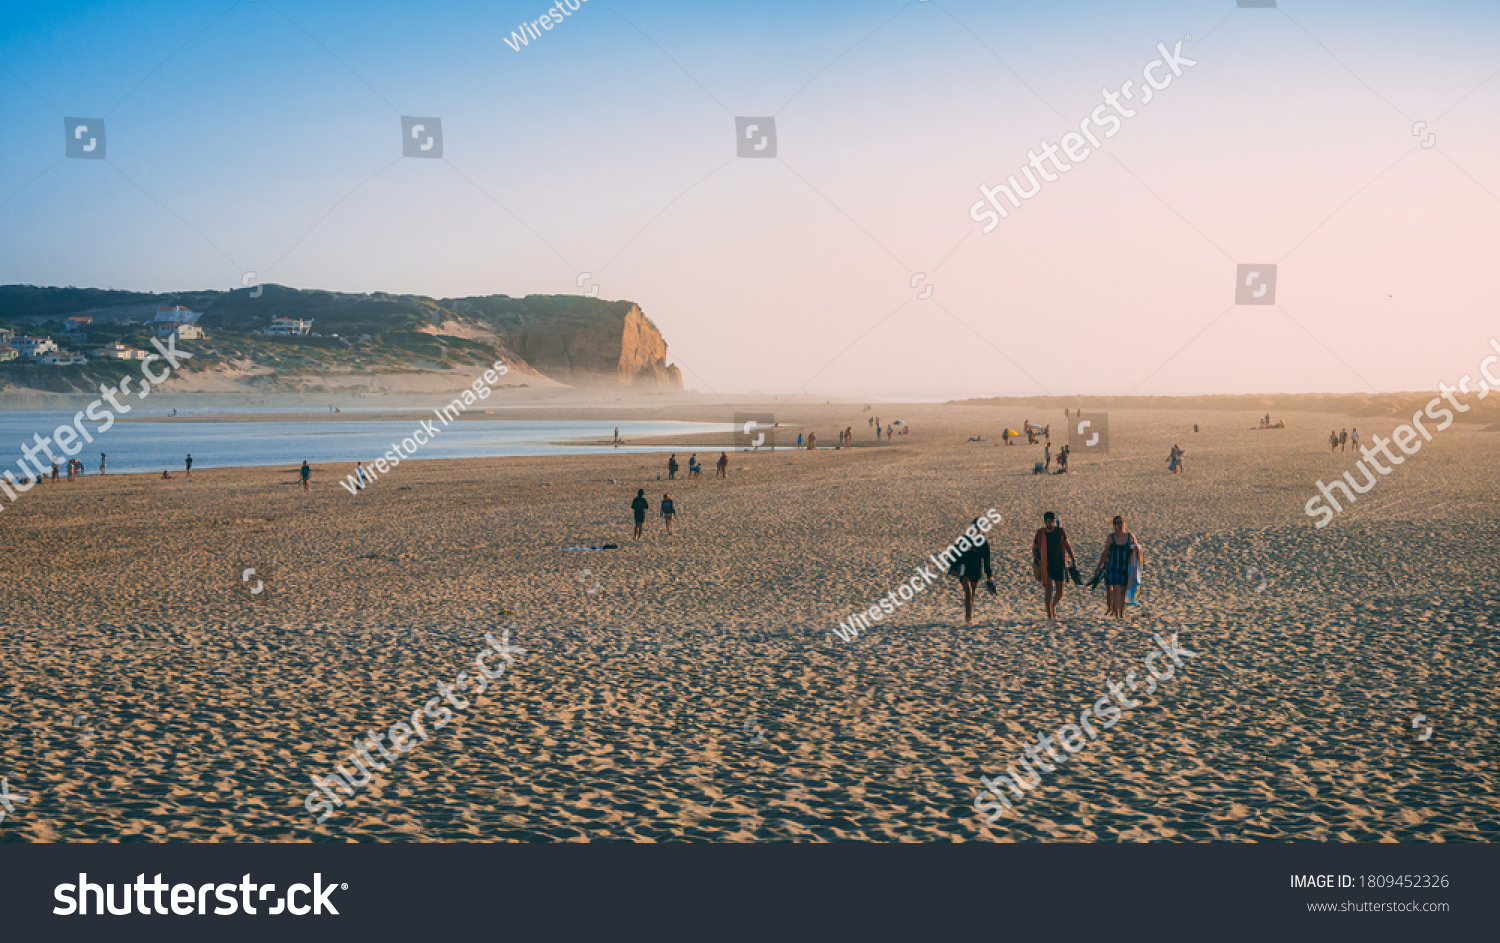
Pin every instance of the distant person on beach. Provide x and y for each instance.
(1333, 441)
(190, 465)
(1354, 439)
(617, 435)
(723, 465)
(672, 467)
(359, 476)
(104, 461)
(812, 441)
(640, 506)
(165, 475)
(694, 469)
(306, 473)
(1047, 465)
(1343, 439)
(1119, 548)
(889, 431)
(968, 566)
(1062, 460)
(668, 511)
(1050, 553)
(54, 471)
(1174, 459)
(799, 440)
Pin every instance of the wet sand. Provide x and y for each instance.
(699, 694)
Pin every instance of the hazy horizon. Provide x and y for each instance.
(266, 137)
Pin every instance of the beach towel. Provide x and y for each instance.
(1133, 577)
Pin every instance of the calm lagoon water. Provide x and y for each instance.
(155, 446)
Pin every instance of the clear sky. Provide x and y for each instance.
(266, 136)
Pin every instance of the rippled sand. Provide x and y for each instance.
(699, 694)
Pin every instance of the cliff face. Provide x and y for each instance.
(643, 355)
(578, 341)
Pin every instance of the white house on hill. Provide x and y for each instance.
(183, 332)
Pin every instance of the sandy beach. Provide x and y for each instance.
(690, 688)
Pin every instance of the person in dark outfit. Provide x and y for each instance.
(1052, 552)
(640, 506)
(1115, 561)
(969, 564)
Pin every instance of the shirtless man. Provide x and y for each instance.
(1051, 551)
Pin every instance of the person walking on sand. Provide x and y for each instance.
(668, 511)
(190, 465)
(672, 467)
(617, 436)
(359, 476)
(1343, 439)
(1050, 553)
(1333, 441)
(968, 566)
(723, 465)
(1354, 439)
(306, 474)
(640, 506)
(54, 471)
(1174, 459)
(1120, 549)
(103, 462)
(1048, 456)
(799, 440)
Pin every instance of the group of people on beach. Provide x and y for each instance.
(1337, 441)
(640, 506)
(695, 470)
(1053, 564)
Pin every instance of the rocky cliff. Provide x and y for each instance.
(568, 339)
(577, 341)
